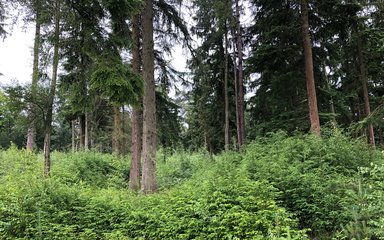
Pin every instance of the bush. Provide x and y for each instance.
(178, 167)
(312, 173)
(212, 202)
(96, 169)
(280, 187)
(364, 205)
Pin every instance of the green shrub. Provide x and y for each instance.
(174, 169)
(364, 204)
(212, 202)
(278, 188)
(93, 168)
(312, 173)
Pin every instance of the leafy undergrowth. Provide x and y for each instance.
(279, 187)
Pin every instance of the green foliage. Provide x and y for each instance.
(280, 187)
(206, 104)
(168, 122)
(276, 64)
(364, 205)
(117, 82)
(120, 11)
(13, 120)
(279, 103)
(3, 107)
(312, 173)
(91, 168)
(82, 200)
(178, 167)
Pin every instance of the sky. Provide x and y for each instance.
(16, 56)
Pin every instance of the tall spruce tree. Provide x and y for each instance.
(149, 104)
(239, 79)
(310, 79)
(169, 28)
(136, 121)
(52, 88)
(212, 101)
(276, 63)
(83, 41)
(364, 82)
(37, 9)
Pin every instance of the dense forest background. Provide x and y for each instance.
(200, 107)
(279, 116)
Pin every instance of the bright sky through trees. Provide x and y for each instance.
(16, 56)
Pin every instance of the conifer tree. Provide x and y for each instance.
(136, 132)
(212, 99)
(52, 88)
(31, 133)
(310, 79)
(240, 79)
(364, 82)
(148, 183)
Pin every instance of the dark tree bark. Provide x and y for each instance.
(148, 183)
(48, 118)
(86, 137)
(310, 79)
(82, 124)
(236, 83)
(381, 139)
(226, 126)
(136, 144)
(137, 121)
(328, 87)
(240, 80)
(31, 132)
(364, 82)
(73, 136)
(116, 131)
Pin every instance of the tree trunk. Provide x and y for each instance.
(91, 136)
(241, 107)
(149, 103)
(236, 83)
(91, 132)
(73, 136)
(328, 87)
(116, 132)
(137, 121)
(31, 132)
(82, 131)
(136, 144)
(123, 142)
(48, 120)
(226, 127)
(364, 81)
(310, 79)
(86, 133)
